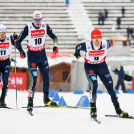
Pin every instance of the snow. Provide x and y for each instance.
(65, 121)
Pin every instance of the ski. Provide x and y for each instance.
(7, 107)
(30, 112)
(96, 120)
(129, 117)
(69, 107)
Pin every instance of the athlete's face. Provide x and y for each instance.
(96, 42)
(2, 36)
(37, 22)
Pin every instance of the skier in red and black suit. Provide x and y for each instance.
(6, 42)
(95, 65)
(35, 34)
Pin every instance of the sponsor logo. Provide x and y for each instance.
(6, 71)
(33, 64)
(38, 32)
(110, 82)
(36, 48)
(107, 76)
(4, 58)
(47, 67)
(96, 53)
(90, 62)
(33, 69)
(96, 36)
(37, 15)
(34, 73)
(30, 93)
(4, 45)
(93, 78)
(91, 71)
(45, 62)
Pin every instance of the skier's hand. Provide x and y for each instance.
(55, 49)
(22, 55)
(77, 55)
(13, 60)
(15, 36)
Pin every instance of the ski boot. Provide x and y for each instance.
(47, 101)
(30, 104)
(121, 113)
(93, 111)
(2, 101)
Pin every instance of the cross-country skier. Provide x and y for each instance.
(95, 65)
(6, 42)
(35, 34)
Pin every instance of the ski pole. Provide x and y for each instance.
(15, 74)
(69, 74)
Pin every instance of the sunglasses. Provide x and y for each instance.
(97, 39)
(36, 20)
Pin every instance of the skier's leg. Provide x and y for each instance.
(123, 87)
(32, 67)
(106, 78)
(5, 75)
(44, 70)
(117, 86)
(92, 79)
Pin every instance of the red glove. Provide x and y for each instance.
(55, 49)
(22, 55)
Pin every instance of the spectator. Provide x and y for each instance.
(123, 11)
(130, 34)
(120, 81)
(118, 22)
(101, 18)
(67, 3)
(106, 13)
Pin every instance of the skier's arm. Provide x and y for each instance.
(22, 35)
(52, 35)
(108, 44)
(78, 48)
(19, 47)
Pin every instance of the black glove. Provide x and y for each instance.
(55, 49)
(77, 55)
(15, 36)
(13, 60)
(22, 55)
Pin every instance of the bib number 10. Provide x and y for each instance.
(38, 41)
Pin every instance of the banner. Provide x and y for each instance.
(59, 54)
(21, 81)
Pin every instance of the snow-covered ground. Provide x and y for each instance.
(65, 121)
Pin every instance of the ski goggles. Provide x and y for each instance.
(96, 39)
(36, 20)
(2, 33)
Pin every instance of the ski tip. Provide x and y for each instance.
(96, 120)
(30, 113)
